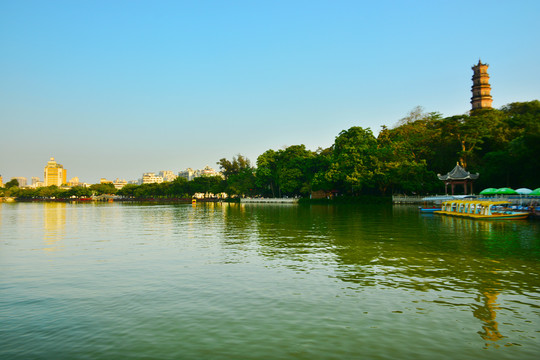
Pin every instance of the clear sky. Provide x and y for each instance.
(117, 88)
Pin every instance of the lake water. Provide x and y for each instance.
(231, 281)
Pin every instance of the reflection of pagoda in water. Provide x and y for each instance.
(487, 314)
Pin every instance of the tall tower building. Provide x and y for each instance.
(55, 174)
(481, 90)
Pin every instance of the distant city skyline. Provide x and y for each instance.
(113, 89)
(59, 178)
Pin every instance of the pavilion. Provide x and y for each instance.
(458, 176)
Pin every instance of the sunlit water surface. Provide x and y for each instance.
(215, 281)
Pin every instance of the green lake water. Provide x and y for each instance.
(231, 281)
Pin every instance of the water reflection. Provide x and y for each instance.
(450, 258)
(369, 281)
(54, 225)
(487, 314)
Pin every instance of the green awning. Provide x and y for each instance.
(506, 191)
(488, 191)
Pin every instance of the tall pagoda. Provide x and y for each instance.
(481, 90)
(458, 176)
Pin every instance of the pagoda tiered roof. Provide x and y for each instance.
(458, 173)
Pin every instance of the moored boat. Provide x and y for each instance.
(428, 209)
(481, 210)
(437, 202)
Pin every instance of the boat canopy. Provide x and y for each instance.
(448, 197)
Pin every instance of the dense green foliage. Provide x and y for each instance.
(12, 183)
(502, 145)
(47, 192)
(180, 188)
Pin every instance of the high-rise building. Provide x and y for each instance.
(167, 175)
(55, 174)
(21, 180)
(74, 181)
(36, 182)
(481, 90)
(188, 174)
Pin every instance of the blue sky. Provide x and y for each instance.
(117, 88)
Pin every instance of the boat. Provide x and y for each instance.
(481, 210)
(437, 202)
(428, 209)
(535, 212)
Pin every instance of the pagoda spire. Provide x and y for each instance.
(481, 89)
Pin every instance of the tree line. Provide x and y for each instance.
(502, 145)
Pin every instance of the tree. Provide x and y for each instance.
(100, 189)
(48, 191)
(128, 190)
(206, 184)
(354, 156)
(12, 183)
(79, 191)
(239, 175)
(511, 156)
(178, 187)
(404, 152)
(289, 171)
(237, 165)
(267, 173)
(295, 170)
(468, 132)
(318, 167)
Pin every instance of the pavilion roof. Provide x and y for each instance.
(458, 173)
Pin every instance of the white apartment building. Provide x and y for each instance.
(208, 171)
(151, 178)
(191, 174)
(118, 184)
(22, 180)
(36, 182)
(188, 174)
(167, 175)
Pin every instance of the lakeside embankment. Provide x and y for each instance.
(513, 199)
(395, 199)
(109, 199)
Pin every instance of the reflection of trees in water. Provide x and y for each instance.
(376, 246)
(458, 263)
(294, 234)
(154, 217)
(276, 231)
(479, 258)
(500, 239)
(443, 253)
